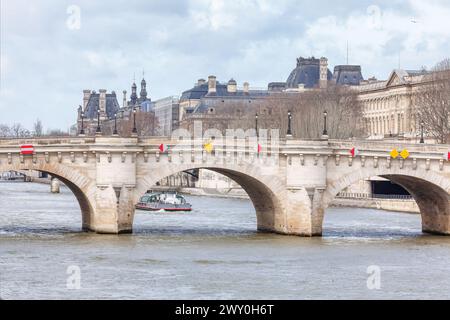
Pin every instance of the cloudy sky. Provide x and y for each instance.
(52, 50)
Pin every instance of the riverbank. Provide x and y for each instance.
(395, 205)
(217, 193)
(405, 206)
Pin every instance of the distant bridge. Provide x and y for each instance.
(290, 186)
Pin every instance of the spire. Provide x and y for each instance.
(133, 96)
(143, 92)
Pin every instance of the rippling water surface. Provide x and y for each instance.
(213, 252)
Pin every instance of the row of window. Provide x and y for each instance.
(394, 124)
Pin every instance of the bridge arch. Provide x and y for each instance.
(80, 185)
(265, 191)
(429, 189)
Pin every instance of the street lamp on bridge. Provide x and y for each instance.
(256, 124)
(82, 123)
(99, 130)
(422, 125)
(325, 131)
(134, 121)
(289, 130)
(115, 133)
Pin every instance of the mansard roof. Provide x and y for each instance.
(348, 75)
(307, 72)
(200, 91)
(112, 105)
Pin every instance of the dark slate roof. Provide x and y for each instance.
(195, 93)
(307, 72)
(218, 101)
(277, 86)
(112, 106)
(200, 91)
(347, 75)
(417, 72)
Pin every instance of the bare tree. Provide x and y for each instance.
(18, 131)
(5, 130)
(56, 133)
(432, 103)
(146, 124)
(344, 112)
(38, 128)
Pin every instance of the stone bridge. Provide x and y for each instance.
(290, 183)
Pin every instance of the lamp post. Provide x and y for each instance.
(289, 130)
(115, 133)
(256, 124)
(422, 125)
(325, 131)
(99, 130)
(134, 121)
(82, 123)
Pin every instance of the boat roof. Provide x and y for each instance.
(150, 192)
(162, 191)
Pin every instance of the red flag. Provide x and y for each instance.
(447, 156)
(354, 152)
(27, 149)
(259, 148)
(163, 147)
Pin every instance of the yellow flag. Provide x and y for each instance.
(208, 147)
(405, 154)
(394, 154)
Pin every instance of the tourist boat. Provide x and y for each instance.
(163, 201)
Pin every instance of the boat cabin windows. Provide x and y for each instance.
(149, 199)
(181, 199)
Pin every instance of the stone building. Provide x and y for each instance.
(100, 109)
(96, 106)
(388, 105)
(207, 96)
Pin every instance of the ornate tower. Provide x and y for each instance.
(133, 97)
(143, 92)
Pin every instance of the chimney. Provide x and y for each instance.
(86, 97)
(232, 86)
(201, 82)
(212, 84)
(124, 102)
(102, 100)
(246, 87)
(323, 82)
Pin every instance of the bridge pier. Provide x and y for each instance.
(298, 213)
(114, 210)
(54, 185)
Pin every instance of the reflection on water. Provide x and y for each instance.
(213, 252)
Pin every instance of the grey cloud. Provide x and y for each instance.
(49, 64)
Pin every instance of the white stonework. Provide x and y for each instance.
(290, 189)
(388, 105)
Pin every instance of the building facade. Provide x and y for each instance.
(389, 105)
(102, 114)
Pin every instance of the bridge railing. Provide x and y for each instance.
(368, 196)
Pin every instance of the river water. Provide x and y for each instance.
(213, 252)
